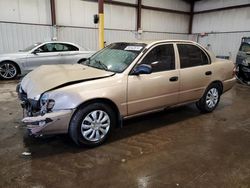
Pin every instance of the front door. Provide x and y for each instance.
(148, 92)
(47, 54)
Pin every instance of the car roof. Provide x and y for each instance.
(151, 42)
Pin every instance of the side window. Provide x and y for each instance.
(191, 55)
(57, 47)
(70, 47)
(161, 58)
(50, 47)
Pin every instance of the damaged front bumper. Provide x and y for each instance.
(56, 122)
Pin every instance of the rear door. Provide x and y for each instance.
(195, 71)
(69, 53)
(160, 88)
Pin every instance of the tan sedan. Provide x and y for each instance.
(121, 81)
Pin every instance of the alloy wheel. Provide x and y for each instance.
(7, 71)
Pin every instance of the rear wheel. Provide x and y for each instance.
(8, 70)
(91, 125)
(210, 99)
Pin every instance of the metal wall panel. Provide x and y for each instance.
(75, 13)
(128, 1)
(221, 21)
(14, 37)
(88, 38)
(213, 4)
(165, 22)
(168, 4)
(80, 13)
(225, 44)
(25, 11)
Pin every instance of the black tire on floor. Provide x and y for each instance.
(8, 70)
(85, 112)
(203, 105)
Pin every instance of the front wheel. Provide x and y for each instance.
(210, 99)
(91, 125)
(8, 70)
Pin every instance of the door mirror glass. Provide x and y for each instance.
(142, 69)
(36, 51)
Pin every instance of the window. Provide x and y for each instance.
(161, 58)
(67, 47)
(191, 56)
(245, 47)
(57, 47)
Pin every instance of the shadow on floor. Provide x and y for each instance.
(53, 145)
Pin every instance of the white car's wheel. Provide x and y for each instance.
(8, 70)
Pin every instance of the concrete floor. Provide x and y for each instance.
(175, 148)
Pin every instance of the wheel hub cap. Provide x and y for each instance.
(212, 97)
(95, 125)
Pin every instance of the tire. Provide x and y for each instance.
(8, 70)
(91, 125)
(210, 99)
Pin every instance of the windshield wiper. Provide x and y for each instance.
(101, 64)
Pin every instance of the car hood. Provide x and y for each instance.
(48, 77)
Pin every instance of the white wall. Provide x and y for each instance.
(164, 22)
(222, 21)
(23, 22)
(225, 28)
(120, 22)
(168, 4)
(213, 4)
(25, 11)
(225, 44)
(14, 37)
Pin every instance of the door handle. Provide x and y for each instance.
(208, 73)
(173, 79)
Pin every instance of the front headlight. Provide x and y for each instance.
(46, 104)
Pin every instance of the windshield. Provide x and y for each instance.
(245, 47)
(116, 57)
(30, 47)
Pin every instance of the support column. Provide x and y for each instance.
(101, 23)
(138, 23)
(53, 19)
(191, 18)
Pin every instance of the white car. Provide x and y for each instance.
(46, 53)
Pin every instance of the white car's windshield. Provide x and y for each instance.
(116, 57)
(30, 47)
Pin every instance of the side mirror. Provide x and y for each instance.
(248, 53)
(36, 51)
(142, 69)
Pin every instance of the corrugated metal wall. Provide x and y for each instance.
(75, 22)
(224, 44)
(224, 28)
(14, 37)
